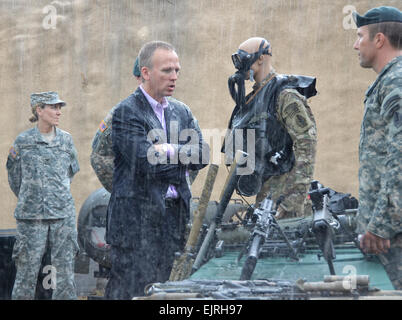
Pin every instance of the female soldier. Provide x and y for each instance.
(41, 164)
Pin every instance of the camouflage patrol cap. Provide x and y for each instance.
(49, 97)
(378, 15)
(136, 70)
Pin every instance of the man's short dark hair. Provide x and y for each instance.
(147, 51)
(392, 30)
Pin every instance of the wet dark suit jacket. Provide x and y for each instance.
(138, 183)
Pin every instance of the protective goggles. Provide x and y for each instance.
(243, 60)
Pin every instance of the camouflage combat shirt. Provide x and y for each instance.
(39, 173)
(294, 112)
(295, 115)
(380, 155)
(102, 155)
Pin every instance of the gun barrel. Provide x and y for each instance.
(252, 258)
(248, 268)
(204, 247)
(258, 240)
(230, 185)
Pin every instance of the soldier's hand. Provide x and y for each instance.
(370, 243)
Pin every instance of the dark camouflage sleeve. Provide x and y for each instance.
(102, 156)
(14, 169)
(387, 215)
(103, 167)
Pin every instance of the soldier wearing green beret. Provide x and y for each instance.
(379, 218)
(41, 165)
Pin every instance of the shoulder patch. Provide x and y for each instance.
(103, 126)
(301, 121)
(391, 104)
(291, 110)
(13, 153)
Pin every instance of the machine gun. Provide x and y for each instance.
(326, 223)
(264, 221)
(322, 226)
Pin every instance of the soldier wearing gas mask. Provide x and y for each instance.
(284, 129)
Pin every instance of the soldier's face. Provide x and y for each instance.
(50, 114)
(160, 80)
(365, 46)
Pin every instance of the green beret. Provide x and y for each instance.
(49, 97)
(136, 70)
(378, 15)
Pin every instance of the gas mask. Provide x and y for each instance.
(243, 61)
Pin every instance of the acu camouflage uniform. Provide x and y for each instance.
(380, 173)
(39, 173)
(297, 118)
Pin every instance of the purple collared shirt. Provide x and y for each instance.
(158, 109)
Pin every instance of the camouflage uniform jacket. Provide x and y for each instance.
(102, 155)
(39, 173)
(296, 116)
(380, 155)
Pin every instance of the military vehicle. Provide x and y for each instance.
(251, 255)
(240, 251)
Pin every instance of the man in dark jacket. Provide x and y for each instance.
(155, 141)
